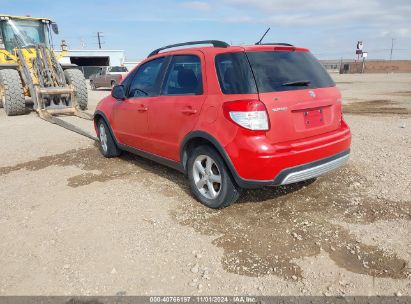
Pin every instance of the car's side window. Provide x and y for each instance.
(146, 79)
(183, 76)
(234, 74)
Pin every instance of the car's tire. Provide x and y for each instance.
(113, 83)
(92, 85)
(206, 168)
(76, 78)
(11, 89)
(107, 145)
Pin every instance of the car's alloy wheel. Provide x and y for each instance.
(103, 138)
(108, 146)
(207, 176)
(210, 180)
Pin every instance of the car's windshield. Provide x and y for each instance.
(21, 33)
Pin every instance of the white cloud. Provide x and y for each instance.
(400, 32)
(325, 12)
(335, 26)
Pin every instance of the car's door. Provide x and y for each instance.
(175, 113)
(130, 118)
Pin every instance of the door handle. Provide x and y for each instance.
(188, 111)
(142, 108)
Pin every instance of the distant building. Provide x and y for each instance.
(349, 66)
(90, 61)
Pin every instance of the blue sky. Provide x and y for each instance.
(329, 28)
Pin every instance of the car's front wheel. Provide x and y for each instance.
(107, 144)
(209, 178)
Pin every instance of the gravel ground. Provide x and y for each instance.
(74, 223)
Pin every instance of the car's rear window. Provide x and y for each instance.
(284, 70)
(274, 71)
(118, 69)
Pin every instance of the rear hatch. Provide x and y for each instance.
(300, 96)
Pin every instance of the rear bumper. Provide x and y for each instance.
(299, 173)
(313, 169)
(305, 160)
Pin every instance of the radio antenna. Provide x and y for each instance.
(259, 42)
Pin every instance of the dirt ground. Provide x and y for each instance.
(75, 223)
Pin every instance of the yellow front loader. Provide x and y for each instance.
(30, 68)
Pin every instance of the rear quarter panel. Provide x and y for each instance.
(212, 119)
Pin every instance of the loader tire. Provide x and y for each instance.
(2, 97)
(11, 89)
(76, 78)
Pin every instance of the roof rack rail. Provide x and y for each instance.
(215, 43)
(275, 43)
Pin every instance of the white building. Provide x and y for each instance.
(90, 61)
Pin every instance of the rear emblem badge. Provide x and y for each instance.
(312, 94)
(279, 109)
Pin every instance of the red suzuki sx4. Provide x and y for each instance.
(229, 117)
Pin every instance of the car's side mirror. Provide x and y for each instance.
(55, 28)
(118, 92)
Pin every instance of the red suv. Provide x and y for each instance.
(230, 117)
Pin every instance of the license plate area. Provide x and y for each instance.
(313, 118)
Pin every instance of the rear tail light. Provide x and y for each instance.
(249, 114)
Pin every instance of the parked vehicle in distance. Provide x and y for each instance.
(108, 77)
(230, 117)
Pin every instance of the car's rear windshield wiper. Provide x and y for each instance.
(297, 83)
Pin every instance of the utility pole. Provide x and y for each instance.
(392, 47)
(99, 36)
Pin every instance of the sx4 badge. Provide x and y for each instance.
(279, 109)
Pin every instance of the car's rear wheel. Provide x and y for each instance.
(113, 83)
(107, 144)
(209, 178)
